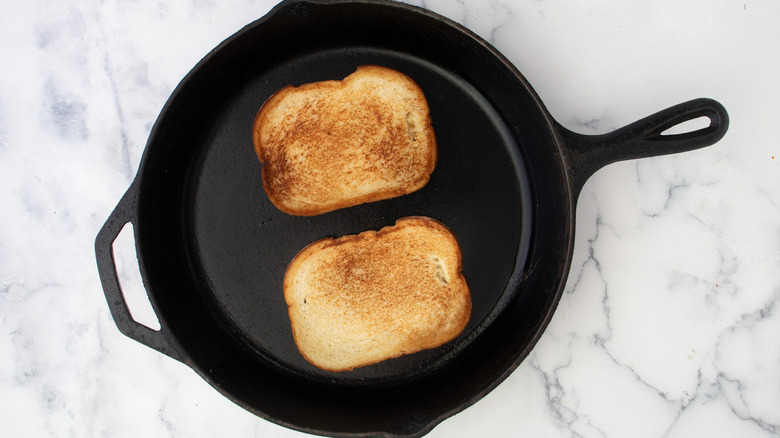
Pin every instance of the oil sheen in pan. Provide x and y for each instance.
(243, 244)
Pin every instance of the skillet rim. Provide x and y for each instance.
(467, 34)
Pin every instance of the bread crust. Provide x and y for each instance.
(334, 144)
(360, 299)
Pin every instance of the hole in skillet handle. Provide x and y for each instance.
(657, 134)
(130, 281)
(693, 125)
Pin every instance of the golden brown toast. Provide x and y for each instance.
(361, 299)
(334, 144)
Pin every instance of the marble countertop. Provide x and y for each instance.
(670, 322)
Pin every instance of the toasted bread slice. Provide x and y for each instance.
(334, 144)
(361, 299)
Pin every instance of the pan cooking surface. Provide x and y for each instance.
(243, 243)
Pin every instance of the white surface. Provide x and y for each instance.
(670, 324)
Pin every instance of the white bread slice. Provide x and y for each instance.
(334, 144)
(361, 299)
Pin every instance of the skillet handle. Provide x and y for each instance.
(159, 340)
(588, 153)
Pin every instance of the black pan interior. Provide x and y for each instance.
(478, 189)
(213, 249)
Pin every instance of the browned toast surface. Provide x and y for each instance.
(334, 144)
(360, 299)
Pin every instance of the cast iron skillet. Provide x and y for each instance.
(213, 250)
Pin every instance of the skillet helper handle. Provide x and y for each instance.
(588, 153)
(123, 214)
